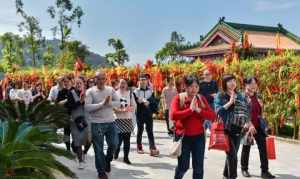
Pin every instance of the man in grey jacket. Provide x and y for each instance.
(99, 102)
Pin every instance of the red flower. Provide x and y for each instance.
(148, 64)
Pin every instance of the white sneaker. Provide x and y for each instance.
(207, 132)
(81, 165)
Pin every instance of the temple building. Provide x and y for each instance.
(224, 35)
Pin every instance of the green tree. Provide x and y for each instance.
(78, 49)
(12, 52)
(33, 32)
(170, 50)
(74, 49)
(119, 57)
(49, 56)
(177, 38)
(167, 53)
(65, 14)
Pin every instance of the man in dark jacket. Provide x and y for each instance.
(62, 99)
(146, 106)
(209, 89)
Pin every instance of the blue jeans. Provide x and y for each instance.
(99, 131)
(207, 124)
(196, 146)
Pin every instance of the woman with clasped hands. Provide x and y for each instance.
(189, 110)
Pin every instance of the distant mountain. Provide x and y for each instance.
(93, 59)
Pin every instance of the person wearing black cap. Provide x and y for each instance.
(232, 108)
(256, 105)
(146, 105)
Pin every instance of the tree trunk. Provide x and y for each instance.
(33, 58)
(62, 40)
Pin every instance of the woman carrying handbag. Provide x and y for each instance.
(188, 111)
(256, 105)
(232, 108)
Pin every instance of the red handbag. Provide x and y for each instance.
(270, 145)
(218, 139)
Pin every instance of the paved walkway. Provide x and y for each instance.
(287, 166)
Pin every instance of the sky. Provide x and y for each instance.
(145, 26)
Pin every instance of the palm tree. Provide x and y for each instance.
(27, 151)
(37, 113)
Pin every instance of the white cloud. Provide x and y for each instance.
(275, 5)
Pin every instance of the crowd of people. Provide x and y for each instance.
(99, 112)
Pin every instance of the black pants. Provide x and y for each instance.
(125, 138)
(167, 120)
(194, 145)
(149, 128)
(260, 139)
(230, 169)
(67, 137)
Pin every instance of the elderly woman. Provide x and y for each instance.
(256, 105)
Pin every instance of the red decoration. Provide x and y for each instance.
(270, 145)
(148, 64)
(79, 66)
(158, 81)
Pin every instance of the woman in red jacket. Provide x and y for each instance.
(189, 110)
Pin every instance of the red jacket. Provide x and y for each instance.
(188, 122)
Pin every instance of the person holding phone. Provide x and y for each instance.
(124, 114)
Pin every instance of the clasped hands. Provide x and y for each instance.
(194, 106)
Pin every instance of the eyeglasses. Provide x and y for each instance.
(207, 74)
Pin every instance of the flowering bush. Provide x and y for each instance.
(279, 80)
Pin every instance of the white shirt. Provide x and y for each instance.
(53, 93)
(25, 95)
(125, 100)
(13, 94)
